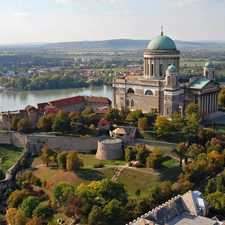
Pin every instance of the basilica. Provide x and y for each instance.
(161, 86)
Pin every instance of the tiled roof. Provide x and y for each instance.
(41, 106)
(103, 121)
(29, 107)
(50, 109)
(95, 99)
(199, 83)
(67, 101)
(101, 111)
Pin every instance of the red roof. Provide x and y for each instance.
(50, 109)
(67, 101)
(95, 99)
(101, 111)
(103, 121)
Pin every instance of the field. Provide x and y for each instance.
(9, 156)
(132, 178)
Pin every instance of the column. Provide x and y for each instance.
(199, 104)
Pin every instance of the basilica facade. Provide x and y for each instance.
(161, 87)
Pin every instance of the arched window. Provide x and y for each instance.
(176, 80)
(128, 102)
(206, 74)
(130, 91)
(168, 80)
(213, 74)
(132, 102)
(148, 92)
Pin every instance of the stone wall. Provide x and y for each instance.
(13, 138)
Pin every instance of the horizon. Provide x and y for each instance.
(54, 21)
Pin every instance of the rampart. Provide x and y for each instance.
(34, 143)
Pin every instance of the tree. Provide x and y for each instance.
(191, 109)
(162, 126)
(96, 216)
(143, 124)
(112, 115)
(14, 122)
(45, 122)
(182, 148)
(142, 153)
(217, 202)
(123, 113)
(73, 163)
(43, 212)
(129, 153)
(194, 150)
(113, 210)
(61, 122)
(177, 122)
(16, 216)
(24, 125)
(133, 116)
(29, 204)
(23, 163)
(154, 195)
(61, 158)
(62, 191)
(16, 198)
(155, 159)
(46, 155)
(35, 221)
(74, 206)
(214, 161)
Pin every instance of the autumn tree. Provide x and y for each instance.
(163, 126)
(133, 116)
(177, 122)
(16, 198)
(73, 162)
(45, 122)
(16, 216)
(141, 153)
(155, 159)
(24, 125)
(143, 124)
(35, 221)
(46, 155)
(123, 113)
(43, 212)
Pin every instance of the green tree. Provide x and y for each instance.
(61, 158)
(129, 153)
(96, 216)
(24, 125)
(112, 115)
(23, 163)
(155, 195)
(61, 122)
(194, 150)
(142, 153)
(29, 204)
(46, 155)
(62, 191)
(43, 212)
(73, 162)
(113, 211)
(14, 122)
(177, 122)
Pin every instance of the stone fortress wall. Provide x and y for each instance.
(34, 143)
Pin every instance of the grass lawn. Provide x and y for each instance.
(9, 156)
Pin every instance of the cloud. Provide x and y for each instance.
(127, 12)
(25, 14)
(85, 8)
(185, 3)
(62, 1)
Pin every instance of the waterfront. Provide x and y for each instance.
(19, 100)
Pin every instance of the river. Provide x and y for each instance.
(20, 99)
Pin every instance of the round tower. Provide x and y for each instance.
(161, 53)
(209, 71)
(172, 77)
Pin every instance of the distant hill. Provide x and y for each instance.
(113, 45)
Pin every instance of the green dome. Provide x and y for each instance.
(172, 69)
(209, 65)
(162, 42)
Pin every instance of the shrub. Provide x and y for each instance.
(98, 165)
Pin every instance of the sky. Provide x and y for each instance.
(24, 21)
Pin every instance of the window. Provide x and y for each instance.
(128, 102)
(152, 70)
(168, 80)
(148, 92)
(130, 91)
(206, 74)
(132, 102)
(160, 69)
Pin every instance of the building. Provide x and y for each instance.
(190, 209)
(161, 88)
